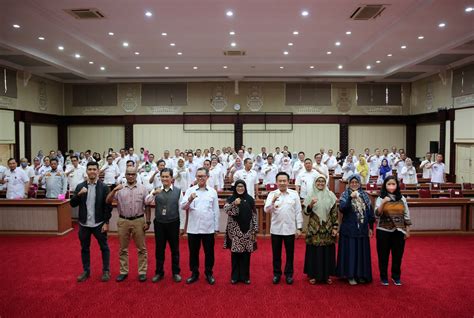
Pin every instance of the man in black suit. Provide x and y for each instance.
(94, 216)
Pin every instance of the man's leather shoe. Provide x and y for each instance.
(157, 278)
(247, 282)
(177, 278)
(121, 277)
(83, 277)
(210, 279)
(276, 279)
(142, 278)
(191, 279)
(233, 281)
(105, 276)
(289, 280)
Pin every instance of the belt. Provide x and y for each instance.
(131, 217)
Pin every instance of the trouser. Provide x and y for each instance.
(132, 229)
(194, 244)
(240, 266)
(167, 232)
(85, 234)
(390, 242)
(277, 242)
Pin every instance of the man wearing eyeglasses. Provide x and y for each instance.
(202, 205)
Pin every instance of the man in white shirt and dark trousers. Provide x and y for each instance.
(287, 221)
(249, 176)
(15, 180)
(202, 205)
(111, 172)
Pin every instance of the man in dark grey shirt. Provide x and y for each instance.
(169, 223)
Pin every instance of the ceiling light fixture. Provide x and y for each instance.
(225, 66)
(304, 13)
(137, 67)
(229, 13)
(77, 56)
(328, 52)
(167, 68)
(41, 38)
(378, 62)
(339, 67)
(469, 9)
(91, 62)
(180, 53)
(231, 33)
(164, 33)
(173, 44)
(348, 32)
(312, 66)
(125, 44)
(403, 47)
(16, 26)
(286, 52)
(290, 44)
(337, 43)
(233, 44)
(282, 67)
(421, 37)
(389, 54)
(61, 48)
(195, 67)
(295, 33)
(111, 33)
(148, 14)
(137, 53)
(102, 68)
(442, 25)
(368, 67)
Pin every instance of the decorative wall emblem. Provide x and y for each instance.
(255, 98)
(164, 110)
(42, 96)
(429, 97)
(344, 103)
(130, 97)
(218, 98)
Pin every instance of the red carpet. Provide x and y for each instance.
(37, 279)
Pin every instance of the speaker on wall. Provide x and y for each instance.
(434, 146)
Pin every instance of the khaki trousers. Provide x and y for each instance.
(132, 229)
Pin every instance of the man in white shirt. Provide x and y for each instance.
(169, 162)
(393, 156)
(398, 165)
(30, 172)
(277, 156)
(286, 221)
(298, 166)
(145, 177)
(366, 153)
(206, 154)
(374, 161)
(213, 180)
(249, 176)
(250, 154)
(192, 167)
(121, 161)
(3, 169)
(111, 172)
(263, 154)
(15, 180)
(76, 173)
(270, 171)
(306, 179)
(55, 181)
(87, 158)
(132, 156)
(324, 155)
(45, 168)
(320, 167)
(202, 205)
(198, 159)
(355, 160)
(331, 160)
(424, 166)
(154, 178)
(437, 170)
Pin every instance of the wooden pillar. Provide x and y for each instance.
(411, 140)
(452, 147)
(238, 135)
(344, 135)
(63, 138)
(28, 153)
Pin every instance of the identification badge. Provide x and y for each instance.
(163, 211)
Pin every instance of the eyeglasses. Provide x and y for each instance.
(201, 177)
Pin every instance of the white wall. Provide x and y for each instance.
(304, 137)
(96, 138)
(158, 138)
(463, 126)
(7, 130)
(424, 134)
(43, 137)
(376, 136)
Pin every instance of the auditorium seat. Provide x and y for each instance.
(455, 193)
(467, 186)
(371, 186)
(270, 187)
(424, 193)
(402, 186)
(435, 186)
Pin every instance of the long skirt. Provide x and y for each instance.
(320, 262)
(353, 258)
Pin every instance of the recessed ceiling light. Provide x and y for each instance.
(328, 52)
(295, 33)
(421, 37)
(337, 43)
(378, 62)
(312, 66)
(229, 13)
(368, 67)
(137, 67)
(16, 26)
(137, 53)
(339, 67)
(61, 48)
(77, 56)
(125, 44)
(41, 38)
(403, 47)
(173, 44)
(180, 53)
(148, 14)
(195, 67)
(469, 9)
(164, 33)
(111, 33)
(225, 66)
(91, 62)
(233, 44)
(442, 25)
(304, 13)
(167, 68)
(232, 33)
(290, 44)
(102, 68)
(286, 52)
(282, 67)
(389, 54)
(348, 32)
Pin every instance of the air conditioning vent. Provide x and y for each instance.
(368, 12)
(85, 13)
(235, 53)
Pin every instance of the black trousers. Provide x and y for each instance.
(240, 266)
(390, 242)
(194, 244)
(166, 232)
(277, 242)
(85, 234)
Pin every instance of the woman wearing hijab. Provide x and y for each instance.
(384, 171)
(241, 231)
(408, 173)
(180, 174)
(348, 168)
(258, 165)
(363, 170)
(320, 258)
(393, 229)
(286, 166)
(353, 257)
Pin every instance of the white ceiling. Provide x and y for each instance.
(200, 30)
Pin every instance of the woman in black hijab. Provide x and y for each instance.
(241, 231)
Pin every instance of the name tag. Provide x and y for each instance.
(163, 211)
